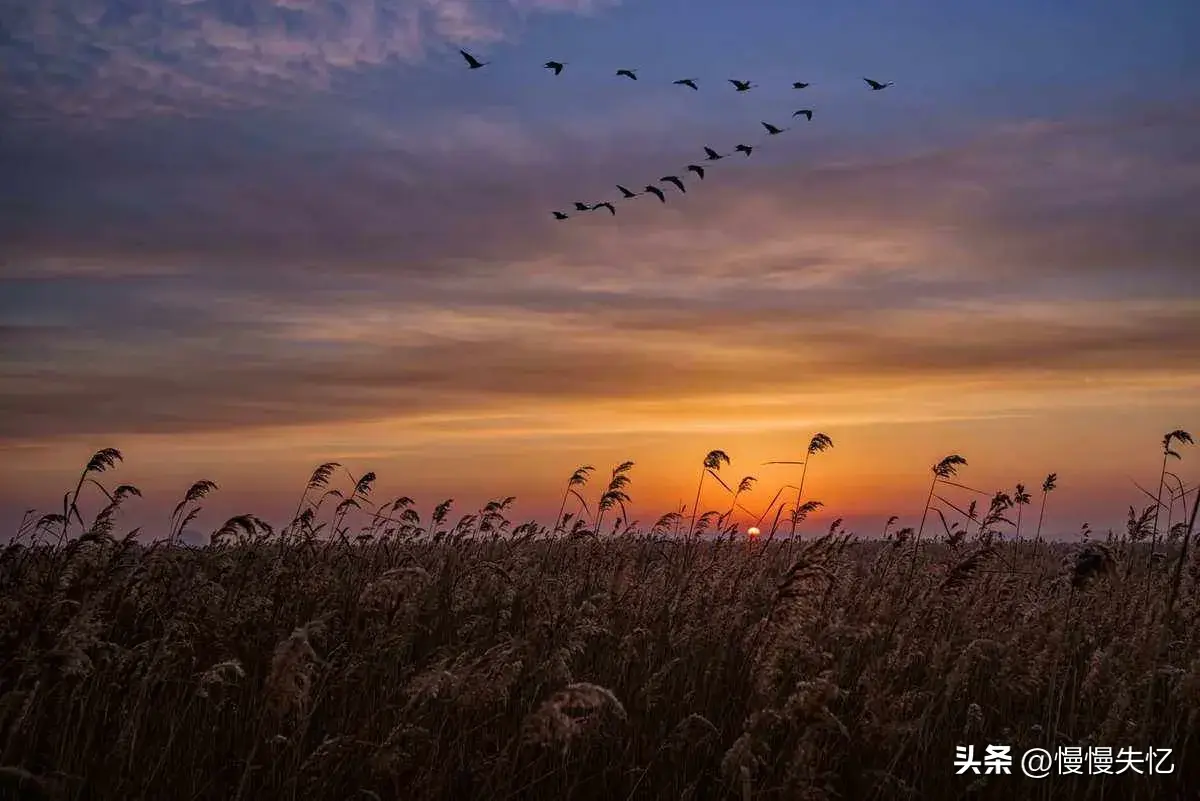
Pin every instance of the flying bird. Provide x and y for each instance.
(557, 66)
(582, 206)
(654, 190)
(800, 85)
(674, 180)
(876, 85)
(744, 149)
(625, 193)
(807, 112)
(712, 154)
(741, 86)
(772, 130)
(472, 62)
(605, 205)
(686, 82)
(628, 74)
(696, 168)
(558, 215)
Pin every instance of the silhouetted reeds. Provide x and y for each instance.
(364, 651)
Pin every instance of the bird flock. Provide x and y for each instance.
(710, 155)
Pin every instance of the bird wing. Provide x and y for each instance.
(710, 151)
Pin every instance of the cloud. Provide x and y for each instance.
(215, 276)
(218, 365)
(467, 197)
(116, 59)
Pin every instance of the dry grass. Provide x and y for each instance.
(420, 660)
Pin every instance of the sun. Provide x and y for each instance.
(752, 532)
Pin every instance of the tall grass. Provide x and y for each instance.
(364, 651)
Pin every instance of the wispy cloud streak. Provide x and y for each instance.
(186, 57)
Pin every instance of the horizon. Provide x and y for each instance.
(952, 495)
(243, 240)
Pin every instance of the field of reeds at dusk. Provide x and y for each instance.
(599, 400)
(371, 649)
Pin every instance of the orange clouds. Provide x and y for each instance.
(241, 308)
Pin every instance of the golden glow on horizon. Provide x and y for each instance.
(877, 467)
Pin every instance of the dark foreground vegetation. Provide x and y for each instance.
(475, 661)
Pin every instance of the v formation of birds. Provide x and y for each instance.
(710, 154)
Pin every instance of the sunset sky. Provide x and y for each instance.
(238, 239)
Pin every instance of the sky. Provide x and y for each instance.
(239, 239)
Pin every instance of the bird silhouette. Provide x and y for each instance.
(876, 85)
(472, 62)
(628, 74)
(582, 206)
(800, 85)
(744, 149)
(558, 215)
(674, 180)
(605, 205)
(686, 82)
(625, 193)
(557, 66)
(712, 154)
(741, 86)
(772, 130)
(654, 190)
(807, 112)
(696, 168)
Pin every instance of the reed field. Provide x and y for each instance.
(367, 650)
